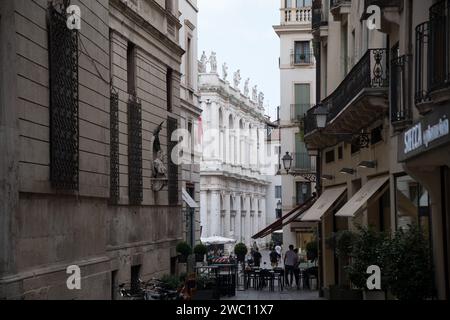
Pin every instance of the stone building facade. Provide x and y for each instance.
(233, 182)
(388, 94)
(298, 94)
(190, 115)
(82, 181)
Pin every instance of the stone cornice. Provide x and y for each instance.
(137, 18)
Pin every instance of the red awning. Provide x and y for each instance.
(286, 219)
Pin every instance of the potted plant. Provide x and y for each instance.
(369, 249)
(200, 251)
(184, 249)
(171, 282)
(342, 244)
(240, 250)
(409, 270)
(205, 289)
(312, 251)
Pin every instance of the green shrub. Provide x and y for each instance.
(369, 248)
(240, 249)
(200, 249)
(184, 249)
(172, 282)
(409, 270)
(312, 251)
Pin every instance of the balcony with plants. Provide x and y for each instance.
(360, 99)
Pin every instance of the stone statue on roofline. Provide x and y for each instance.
(202, 63)
(247, 87)
(237, 79)
(255, 94)
(225, 71)
(261, 100)
(213, 62)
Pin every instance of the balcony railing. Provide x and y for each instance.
(400, 109)
(422, 61)
(439, 45)
(301, 15)
(302, 162)
(302, 59)
(372, 71)
(298, 112)
(319, 15)
(381, 3)
(433, 53)
(337, 3)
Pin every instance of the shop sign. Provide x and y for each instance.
(433, 131)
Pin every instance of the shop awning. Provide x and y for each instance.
(360, 199)
(286, 219)
(188, 199)
(326, 201)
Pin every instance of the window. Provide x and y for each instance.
(303, 192)
(376, 135)
(330, 156)
(172, 168)
(278, 192)
(169, 89)
(355, 148)
(412, 204)
(64, 124)
(340, 153)
(191, 142)
(302, 96)
(135, 275)
(303, 3)
(131, 68)
(189, 62)
(302, 52)
(114, 285)
(169, 5)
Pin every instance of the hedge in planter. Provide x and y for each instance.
(184, 249)
(240, 250)
(369, 248)
(409, 269)
(200, 251)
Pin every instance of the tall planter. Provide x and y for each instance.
(184, 250)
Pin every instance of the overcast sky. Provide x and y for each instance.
(241, 33)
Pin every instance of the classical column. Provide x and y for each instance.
(237, 220)
(262, 214)
(248, 220)
(204, 213)
(215, 214)
(227, 199)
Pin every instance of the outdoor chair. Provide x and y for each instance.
(279, 278)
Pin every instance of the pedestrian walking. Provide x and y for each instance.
(290, 260)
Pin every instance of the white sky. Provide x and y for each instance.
(241, 33)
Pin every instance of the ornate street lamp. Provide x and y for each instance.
(287, 162)
(279, 209)
(321, 115)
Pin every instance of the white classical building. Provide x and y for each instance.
(233, 181)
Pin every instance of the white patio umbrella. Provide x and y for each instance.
(217, 240)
